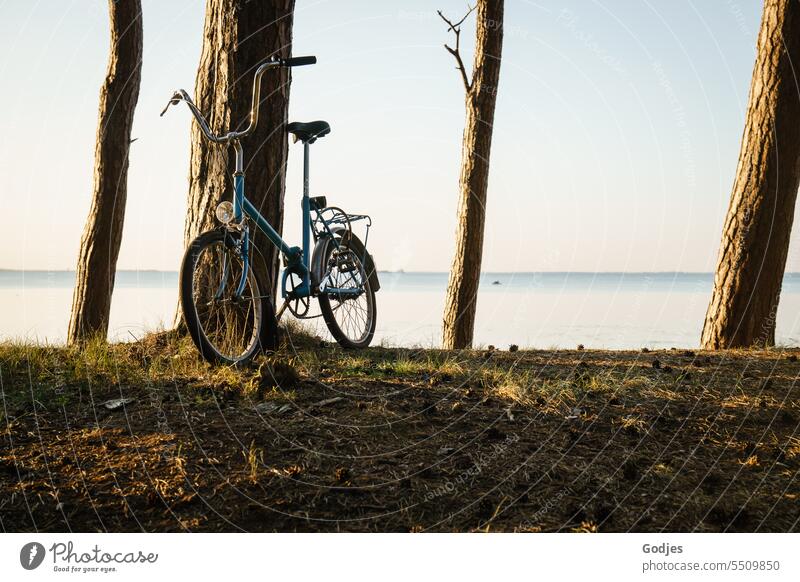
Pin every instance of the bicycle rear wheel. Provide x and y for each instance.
(226, 328)
(346, 297)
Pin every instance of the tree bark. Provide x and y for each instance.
(755, 237)
(97, 259)
(481, 95)
(238, 36)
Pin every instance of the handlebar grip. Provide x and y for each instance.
(298, 61)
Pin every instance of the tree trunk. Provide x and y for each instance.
(755, 238)
(238, 36)
(462, 289)
(97, 259)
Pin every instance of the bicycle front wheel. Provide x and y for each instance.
(226, 327)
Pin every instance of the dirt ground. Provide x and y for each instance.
(318, 439)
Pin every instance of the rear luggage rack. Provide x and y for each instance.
(329, 218)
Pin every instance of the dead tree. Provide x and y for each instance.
(481, 94)
(97, 259)
(239, 35)
(755, 237)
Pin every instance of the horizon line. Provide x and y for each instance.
(412, 272)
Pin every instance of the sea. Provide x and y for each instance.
(531, 310)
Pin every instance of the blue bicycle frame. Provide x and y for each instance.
(297, 258)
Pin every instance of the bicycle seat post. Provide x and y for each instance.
(307, 133)
(306, 207)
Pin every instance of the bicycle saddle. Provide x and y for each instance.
(308, 132)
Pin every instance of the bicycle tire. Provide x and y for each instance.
(329, 308)
(264, 326)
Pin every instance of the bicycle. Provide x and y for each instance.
(229, 312)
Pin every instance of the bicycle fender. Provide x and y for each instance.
(320, 250)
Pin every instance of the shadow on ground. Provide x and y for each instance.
(316, 439)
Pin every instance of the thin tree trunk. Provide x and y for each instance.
(481, 94)
(97, 259)
(238, 36)
(755, 237)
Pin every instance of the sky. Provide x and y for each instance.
(616, 133)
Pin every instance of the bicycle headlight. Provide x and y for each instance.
(224, 212)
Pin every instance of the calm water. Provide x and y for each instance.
(599, 310)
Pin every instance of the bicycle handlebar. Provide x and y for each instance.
(181, 95)
(298, 61)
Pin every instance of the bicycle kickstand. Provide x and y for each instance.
(282, 309)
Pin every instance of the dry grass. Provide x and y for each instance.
(318, 439)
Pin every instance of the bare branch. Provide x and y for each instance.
(456, 52)
(460, 22)
(460, 66)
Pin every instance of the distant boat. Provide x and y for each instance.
(496, 283)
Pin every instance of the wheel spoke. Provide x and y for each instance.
(352, 314)
(230, 324)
